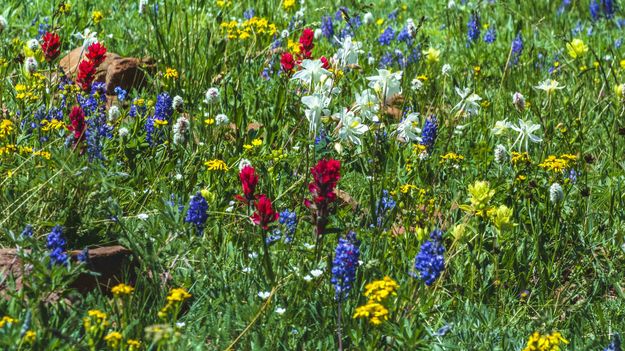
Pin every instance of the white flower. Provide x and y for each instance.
(33, 44)
(246, 270)
(525, 130)
(519, 101)
(446, 69)
(348, 53)
(549, 86)
(351, 126)
(180, 324)
(316, 107)
(30, 65)
(411, 27)
(88, 37)
(318, 33)
(451, 4)
(113, 114)
(459, 130)
(221, 119)
(280, 310)
(212, 95)
(311, 71)
(316, 272)
(307, 278)
(3, 23)
(371, 60)
(500, 127)
(386, 83)
(284, 34)
(123, 132)
(468, 103)
(143, 216)
(264, 294)
(252, 255)
(555, 193)
(416, 84)
(177, 103)
(143, 4)
(181, 129)
(500, 154)
(367, 18)
(244, 163)
(309, 246)
(178, 177)
(407, 129)
(367, 105)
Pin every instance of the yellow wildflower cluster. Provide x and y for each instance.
(277, 155)
(377, 292)
(520, 158)
(293, 47)
(6, 127)
(244, 30)
(171, 73)
(97, 17)
(288, 5)
(255, 143)
(53, 124)
(174, 300)
(480, 195)
(451, 157)
(133, 344)
(7, 149)
(552, 342)
(29, 337)
(558, 164)
(7, 320)
(216, 165)
(113, 339)
(501, 217)
(95, 324)
(121, 290)
(65, 7)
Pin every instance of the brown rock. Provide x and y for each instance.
(70, 63)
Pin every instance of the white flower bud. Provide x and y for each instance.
(555, 193)
(33, 44)
(113, 114)
(367, 18)
(212, 95)
(221, 119)
(500, 154)
(31, 65)
(177, 103)
(519, 101)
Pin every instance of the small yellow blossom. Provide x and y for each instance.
(113, 339)
(160, 122)
(171, 73)
(257, 142)
(43, 154)
(53, 124)
(97, 17)
(375, 312)
(122, 290)
(293, 47)
(288, 5)
(6, 320)
(380, 21)
(6, 127)
(520, 158)
(576, 48)
(432, 55)
(379, 290)
(29, 337)
(209, 121)
(133, 344)
(216, 165)
(65, 7)
(551, 342)
(452, 157)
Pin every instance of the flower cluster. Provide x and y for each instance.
(377, 292)
(55, 242)
(175, 299)
(51, 46)
(430, 261)
(344, 265)
(197, 212)
(547, 342)
(326, 174)
(96, 53)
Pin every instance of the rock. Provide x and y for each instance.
(126, 72)
(111, 263)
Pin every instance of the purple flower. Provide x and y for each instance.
(517, 48)
(56, 244)
(429, 132)
(344, 265)
(430, 261)
(473, 28)
(197, 212)
(490, 36)
(327, 27)
(387, 36)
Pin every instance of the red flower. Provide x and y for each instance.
(264, 214)
(287, 62)
(326, 63)
(78, 126)
(51, 46)
(325, 176)
(249, 179)
(306, 42)
(86, 74)
(96, 53)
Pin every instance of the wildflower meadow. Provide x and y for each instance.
(309, 175)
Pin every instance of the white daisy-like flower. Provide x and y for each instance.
(280, 310)
(549, 86)
(407, 130)
(386, 83)
(316, 272)
(311, 71)
(351, 126)
(469, 102)
(526, 133)
(264, 294)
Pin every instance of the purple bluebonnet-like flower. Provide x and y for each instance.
(162, 111)
(121, 93)
(393, 14)
(289, 220)
(594, 10)
(56, 244)
(344, 265)
(197, 212)
(563, 6)
(473, 28)
(608, 8)
(248, 14)
(490, 36)
(27, 232)
(387, 36)
(386, 60)
(615, 344)
(429, 132)
(327, 27)
(430, 261)
(385, 205)
(83, 255)
(517, 48)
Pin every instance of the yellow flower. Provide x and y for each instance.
(44, 154)
(209, 121)
(122, 290)
(171, 73)
(54, 124)
(576, 48)
(97, 16)
(223, 3)
(451, 156)
(293, 47)
(379, 290)
(65, 7)
(520, 157)
(288, 5)
(380, 21)
(7, 320)
(257, 142)
(375, 312)
(216, 165)
(133, 344)
(432, 55)
(29, 337)
(622, 63)
(178, 295)
(501, 217)
(112, 339)
(6, 127)
(538, 342)
(160, 122)
(480, 195)
(7, 149)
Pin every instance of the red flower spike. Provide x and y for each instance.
(306, 42)
(326, 63)
(287, 62)
(78, 126)
(96, 53)
(325, 175)
(249, 180)
(86, 74)
(51, 46)
(264, 214)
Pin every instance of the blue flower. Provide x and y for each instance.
(386, 204)
(594, 10)
(121, 93)
(473, 28)
(83, 255)
(56, 244)
(248, 14)
(615, 345)
(429, 132)
(327, 27)
(27, 232)
(386, 60)
(344, 265)
(517, 48)
(608, 8)
(289, 220)
(563, 6)
(197, 212)
(430, 261)
(490, 36)
(387, 36)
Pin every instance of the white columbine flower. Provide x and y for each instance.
(351, 126)
(408, 130)
(311, 71)
(468, 103)
(525, 130)
(316, 107)
(368, 105)
(500, 127)
(88, 37)
(386, 83)
(549, 86)
(348, 53)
